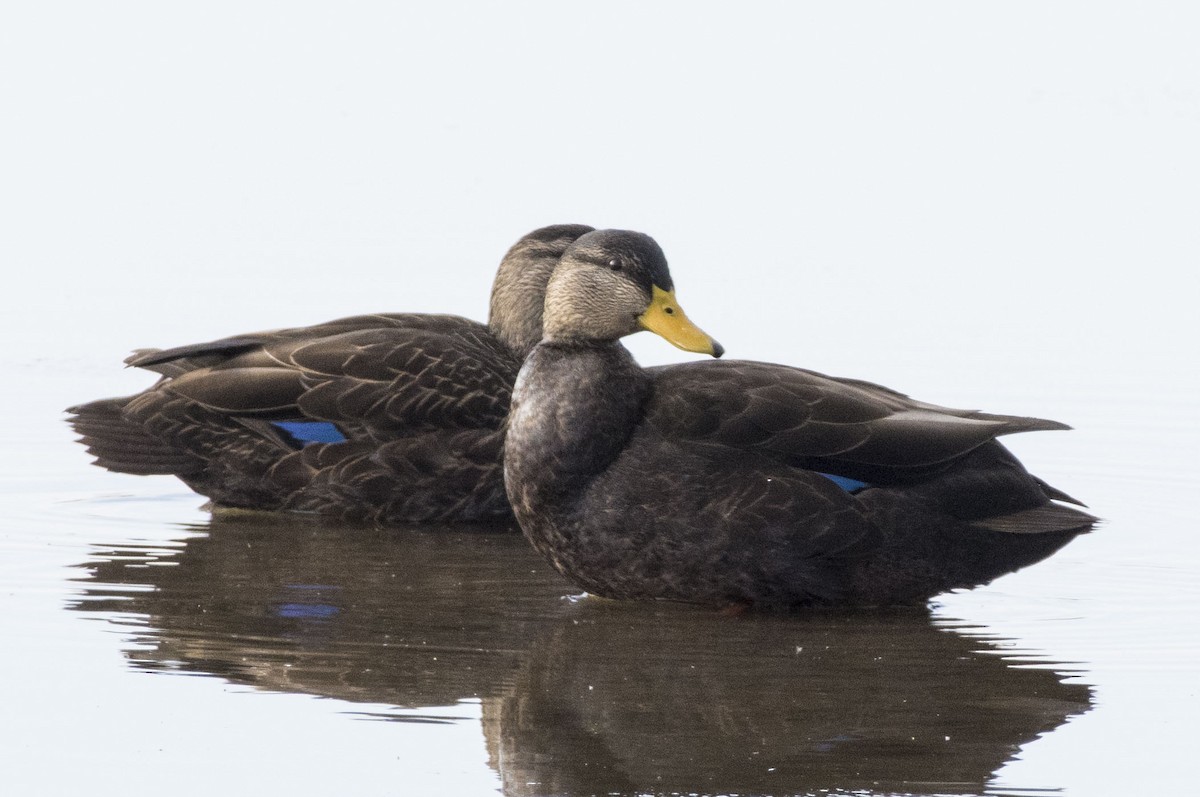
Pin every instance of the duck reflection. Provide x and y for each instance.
(668, 702)
(580, 697)
(399, 616)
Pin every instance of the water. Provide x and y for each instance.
(149, 638)
(577, 697)
(983, 206)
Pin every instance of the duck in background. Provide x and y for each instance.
(388, 418)
(738, 484)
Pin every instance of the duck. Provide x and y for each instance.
(742, 484)
(384, 418)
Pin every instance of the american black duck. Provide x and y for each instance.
(389, 417)
(744, 483)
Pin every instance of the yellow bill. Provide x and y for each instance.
(666, 318)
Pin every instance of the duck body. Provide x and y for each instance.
(607, 488)
(393, 417)
(743, 483)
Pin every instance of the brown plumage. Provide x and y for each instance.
(419, 401)
(731, 483)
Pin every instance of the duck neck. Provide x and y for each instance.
(574, 407)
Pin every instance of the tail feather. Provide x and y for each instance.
(1039, 520)
(123, 446)
(1057, 494)
(1016, 424)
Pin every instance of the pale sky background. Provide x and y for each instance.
(989, 205)
(826, 179)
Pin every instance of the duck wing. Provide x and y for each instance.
(842, 426)
(393, 417)
(368, 374)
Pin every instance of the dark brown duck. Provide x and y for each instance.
(389, 417)
(743, 483)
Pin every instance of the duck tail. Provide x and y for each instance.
(1057, 494)
(120, 445)
(1049, 517)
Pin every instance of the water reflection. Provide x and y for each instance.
(408, 618)
(618, 702)
(580, 697)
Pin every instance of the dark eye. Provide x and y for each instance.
(615, 264)
(669, 310)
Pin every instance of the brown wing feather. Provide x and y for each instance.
(201, 355)
(430, 371)
(846, 426)
(421, 398)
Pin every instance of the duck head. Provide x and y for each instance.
(612, 283)
(519, 291)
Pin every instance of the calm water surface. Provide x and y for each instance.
(577, 697)
(167, 649)
(987, 205)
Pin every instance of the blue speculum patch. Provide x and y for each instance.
(306, 432)
(845, 482)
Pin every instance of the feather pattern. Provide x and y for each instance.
(420, 400)
(708, 482)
